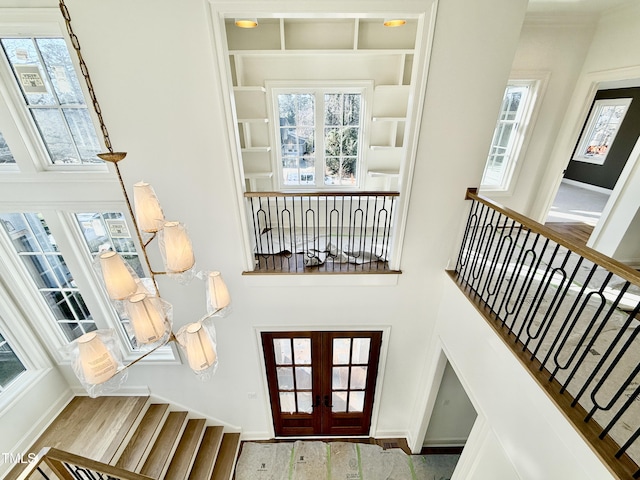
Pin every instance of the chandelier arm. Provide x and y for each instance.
(172, 338)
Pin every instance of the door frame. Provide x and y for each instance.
(576, 113)
(385, 329)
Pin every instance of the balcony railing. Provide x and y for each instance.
(322, 232)
(52, 463)
(570, 314)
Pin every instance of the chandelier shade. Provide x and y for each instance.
(217, 292)
(148, 210)
(118, 278)
(176, 248)
(147, 318)
(198, 347)
(96, 360)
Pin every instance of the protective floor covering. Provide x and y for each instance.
(309, 460)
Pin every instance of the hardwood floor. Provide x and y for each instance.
(385, 443)
(577, 232)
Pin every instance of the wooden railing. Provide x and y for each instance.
(570, 314)
(52, 463)
(322, 232)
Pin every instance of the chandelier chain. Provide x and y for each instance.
(85, 73)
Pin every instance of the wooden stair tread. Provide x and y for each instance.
(74, 428)
(205, 460)
(184, 455)
(226, 460)
(140, 443)
(164, 446)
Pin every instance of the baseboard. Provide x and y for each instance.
(255, 436)
(213, 421)
(121, 392)
(587, 186)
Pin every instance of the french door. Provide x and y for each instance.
(321, 383)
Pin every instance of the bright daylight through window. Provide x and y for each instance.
(39, 253)
(508, 136)
(10, 365)
(317, 121)
(52, 94)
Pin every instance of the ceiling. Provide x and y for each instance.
(575, 6)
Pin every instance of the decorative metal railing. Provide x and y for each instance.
(52, 463)
(570, 314)
(322, 231)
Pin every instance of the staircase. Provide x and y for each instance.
(133, 434)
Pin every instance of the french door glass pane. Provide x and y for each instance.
(282, 350)
(341, 351)
(358, 378)
(287, 402)
(360, 352)
(356, 401)
(339, 403)
(302, 349)
(285, 378)
(303, 378)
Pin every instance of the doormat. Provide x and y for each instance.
(309, 460)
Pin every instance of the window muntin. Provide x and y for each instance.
(319, 136)
(10, 365)
(6, 157)
(37, 248)
(109, 231)
(507, 136)
(52, 95)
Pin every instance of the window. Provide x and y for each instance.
(600, 130)
(509, 134)
(6, 158)
(10, 365)
(52, 94)
(319, 136)
(39, 253)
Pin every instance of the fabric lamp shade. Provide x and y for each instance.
(178, 252)
(199, 347)
(147, 318)
(117, 277)
(97, 362)
(148, 210)
(217, 292)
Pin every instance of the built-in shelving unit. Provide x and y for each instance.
(300, 49)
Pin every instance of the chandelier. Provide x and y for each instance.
(97, 358)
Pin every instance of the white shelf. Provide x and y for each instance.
(253, 120)
(388, 119)
(249, 88)
(256, 150)
(383, 147)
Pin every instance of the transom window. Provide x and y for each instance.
(319, 136)
(52, 94)
(10, 365)
(508, 135)
(37, 248)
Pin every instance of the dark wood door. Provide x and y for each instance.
(321, 383)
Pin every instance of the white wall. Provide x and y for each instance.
(28, 413)
(555, 46)
(453, 413)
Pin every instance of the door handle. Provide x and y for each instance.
(317, 402)
(326, 401)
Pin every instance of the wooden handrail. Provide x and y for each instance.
(55, 459)
(324, 193)
(620, 269)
